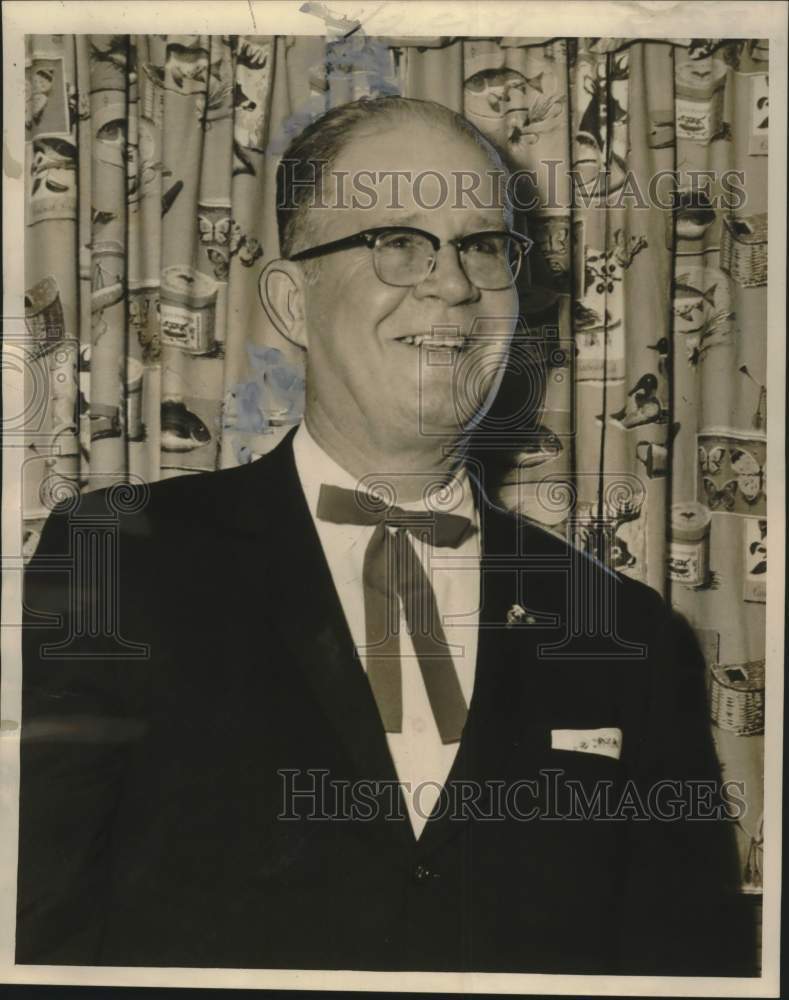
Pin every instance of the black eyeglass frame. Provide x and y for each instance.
(370, 237)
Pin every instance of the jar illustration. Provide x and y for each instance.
(689, 550)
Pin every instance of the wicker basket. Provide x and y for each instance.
(737, 697)
(744, 249)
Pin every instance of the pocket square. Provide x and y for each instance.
(607, 742)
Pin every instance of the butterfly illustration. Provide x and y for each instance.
(750, 475)
(220, 262)
(720, 499)
(214, 232)
(710, 461)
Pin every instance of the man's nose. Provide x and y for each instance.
(447, 280)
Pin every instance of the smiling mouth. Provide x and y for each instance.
(436, 341)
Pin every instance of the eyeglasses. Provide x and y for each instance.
(404, 256)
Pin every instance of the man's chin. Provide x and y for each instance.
(449, 426)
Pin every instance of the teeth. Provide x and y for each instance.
(416, 340)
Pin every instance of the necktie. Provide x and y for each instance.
(392, 570)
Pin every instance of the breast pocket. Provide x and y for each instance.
(583, 773)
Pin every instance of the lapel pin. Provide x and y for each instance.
(518, 615)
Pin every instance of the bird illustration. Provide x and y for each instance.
(642, 406)
(645, 388)
(716, 326)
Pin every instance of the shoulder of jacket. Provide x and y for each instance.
(177, 504)
(537, 539)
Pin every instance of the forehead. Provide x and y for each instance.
(414, 169)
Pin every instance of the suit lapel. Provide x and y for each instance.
(306, 611)
(496, 713)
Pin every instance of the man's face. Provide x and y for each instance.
(360, 372)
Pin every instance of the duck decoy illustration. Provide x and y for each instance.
(643, 405)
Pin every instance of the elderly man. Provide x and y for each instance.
(370, 732)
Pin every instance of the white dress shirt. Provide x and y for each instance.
(421, 761)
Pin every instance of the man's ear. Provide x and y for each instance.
(281, 290)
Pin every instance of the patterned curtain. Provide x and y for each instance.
(150, 213)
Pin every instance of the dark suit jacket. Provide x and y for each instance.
(152, 788)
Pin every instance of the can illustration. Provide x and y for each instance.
(188, 310)
(699, 89)
(737, 697)
(689, 550)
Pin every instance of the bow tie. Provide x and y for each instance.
(392, 574)
(342, 506)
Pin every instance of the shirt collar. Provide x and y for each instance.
(315, 467)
